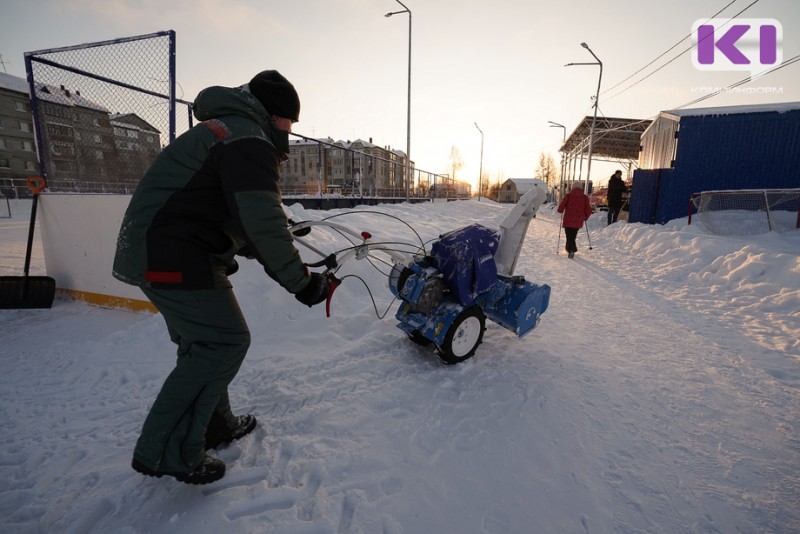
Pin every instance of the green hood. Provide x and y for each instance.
(217, 101)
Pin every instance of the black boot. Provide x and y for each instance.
(209, 470)
(244, 425)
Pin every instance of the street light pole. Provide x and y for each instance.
(594, 118)
(563, 140)
(408, 108)
(480, 171)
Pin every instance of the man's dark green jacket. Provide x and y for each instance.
(211, 194)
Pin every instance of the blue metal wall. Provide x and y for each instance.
(644, 195)
(737, 151)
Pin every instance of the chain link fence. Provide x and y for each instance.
(103, 111)
(359, 169)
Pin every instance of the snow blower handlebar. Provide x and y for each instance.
(360, 248)
(331, 262)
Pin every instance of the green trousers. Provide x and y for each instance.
(212, 338)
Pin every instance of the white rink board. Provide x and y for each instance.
(79, 239)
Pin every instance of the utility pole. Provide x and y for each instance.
(594, 118)
(480, 172)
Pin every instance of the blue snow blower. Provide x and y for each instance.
(468, 276)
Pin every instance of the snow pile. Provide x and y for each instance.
(660, 393)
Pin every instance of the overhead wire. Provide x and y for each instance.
(674, 58)
(664, 53)
(786, 63)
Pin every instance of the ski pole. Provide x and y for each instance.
(558, 243)
(587, 236)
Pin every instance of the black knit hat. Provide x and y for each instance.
(276, 94)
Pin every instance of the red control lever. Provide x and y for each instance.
(333, 283)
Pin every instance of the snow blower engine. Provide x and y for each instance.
(447, 295)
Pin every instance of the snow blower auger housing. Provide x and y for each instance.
(446, 296)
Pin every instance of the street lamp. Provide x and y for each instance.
(563, 140)
(480, 172)
(557, 125)
(594, 119)
(408, 113)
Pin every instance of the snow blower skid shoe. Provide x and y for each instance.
(210, 470)
(244, 425)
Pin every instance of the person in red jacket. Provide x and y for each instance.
(576, 209)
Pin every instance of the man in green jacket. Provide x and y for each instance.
(210, 195)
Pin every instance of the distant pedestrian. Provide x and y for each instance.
(576, 209)
(616, 188)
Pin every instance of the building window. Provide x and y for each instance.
(62, 149)
(24, 126)
(67, 166)
(30, 165)
(27, 146)
(57, 129)
(4, 163)
(20, 106)
(56, 111)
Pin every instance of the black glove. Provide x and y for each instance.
(231, 268)
(315, 292)
(246, 252)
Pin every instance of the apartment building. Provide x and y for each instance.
(17, 143)
(85, 148)
(358, 168)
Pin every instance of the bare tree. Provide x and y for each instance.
(456, 162)
(547, 169)
(494, 190)
(485, 184)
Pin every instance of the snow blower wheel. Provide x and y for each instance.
(464, 336)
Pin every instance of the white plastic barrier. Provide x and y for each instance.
(79, 238)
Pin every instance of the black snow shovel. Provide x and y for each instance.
(26, 291)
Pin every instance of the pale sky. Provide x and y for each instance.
(497, 63)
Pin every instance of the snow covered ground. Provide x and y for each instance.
(660, 393)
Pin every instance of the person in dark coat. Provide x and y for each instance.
(616, 188)
(576, 209)
(210, 195)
